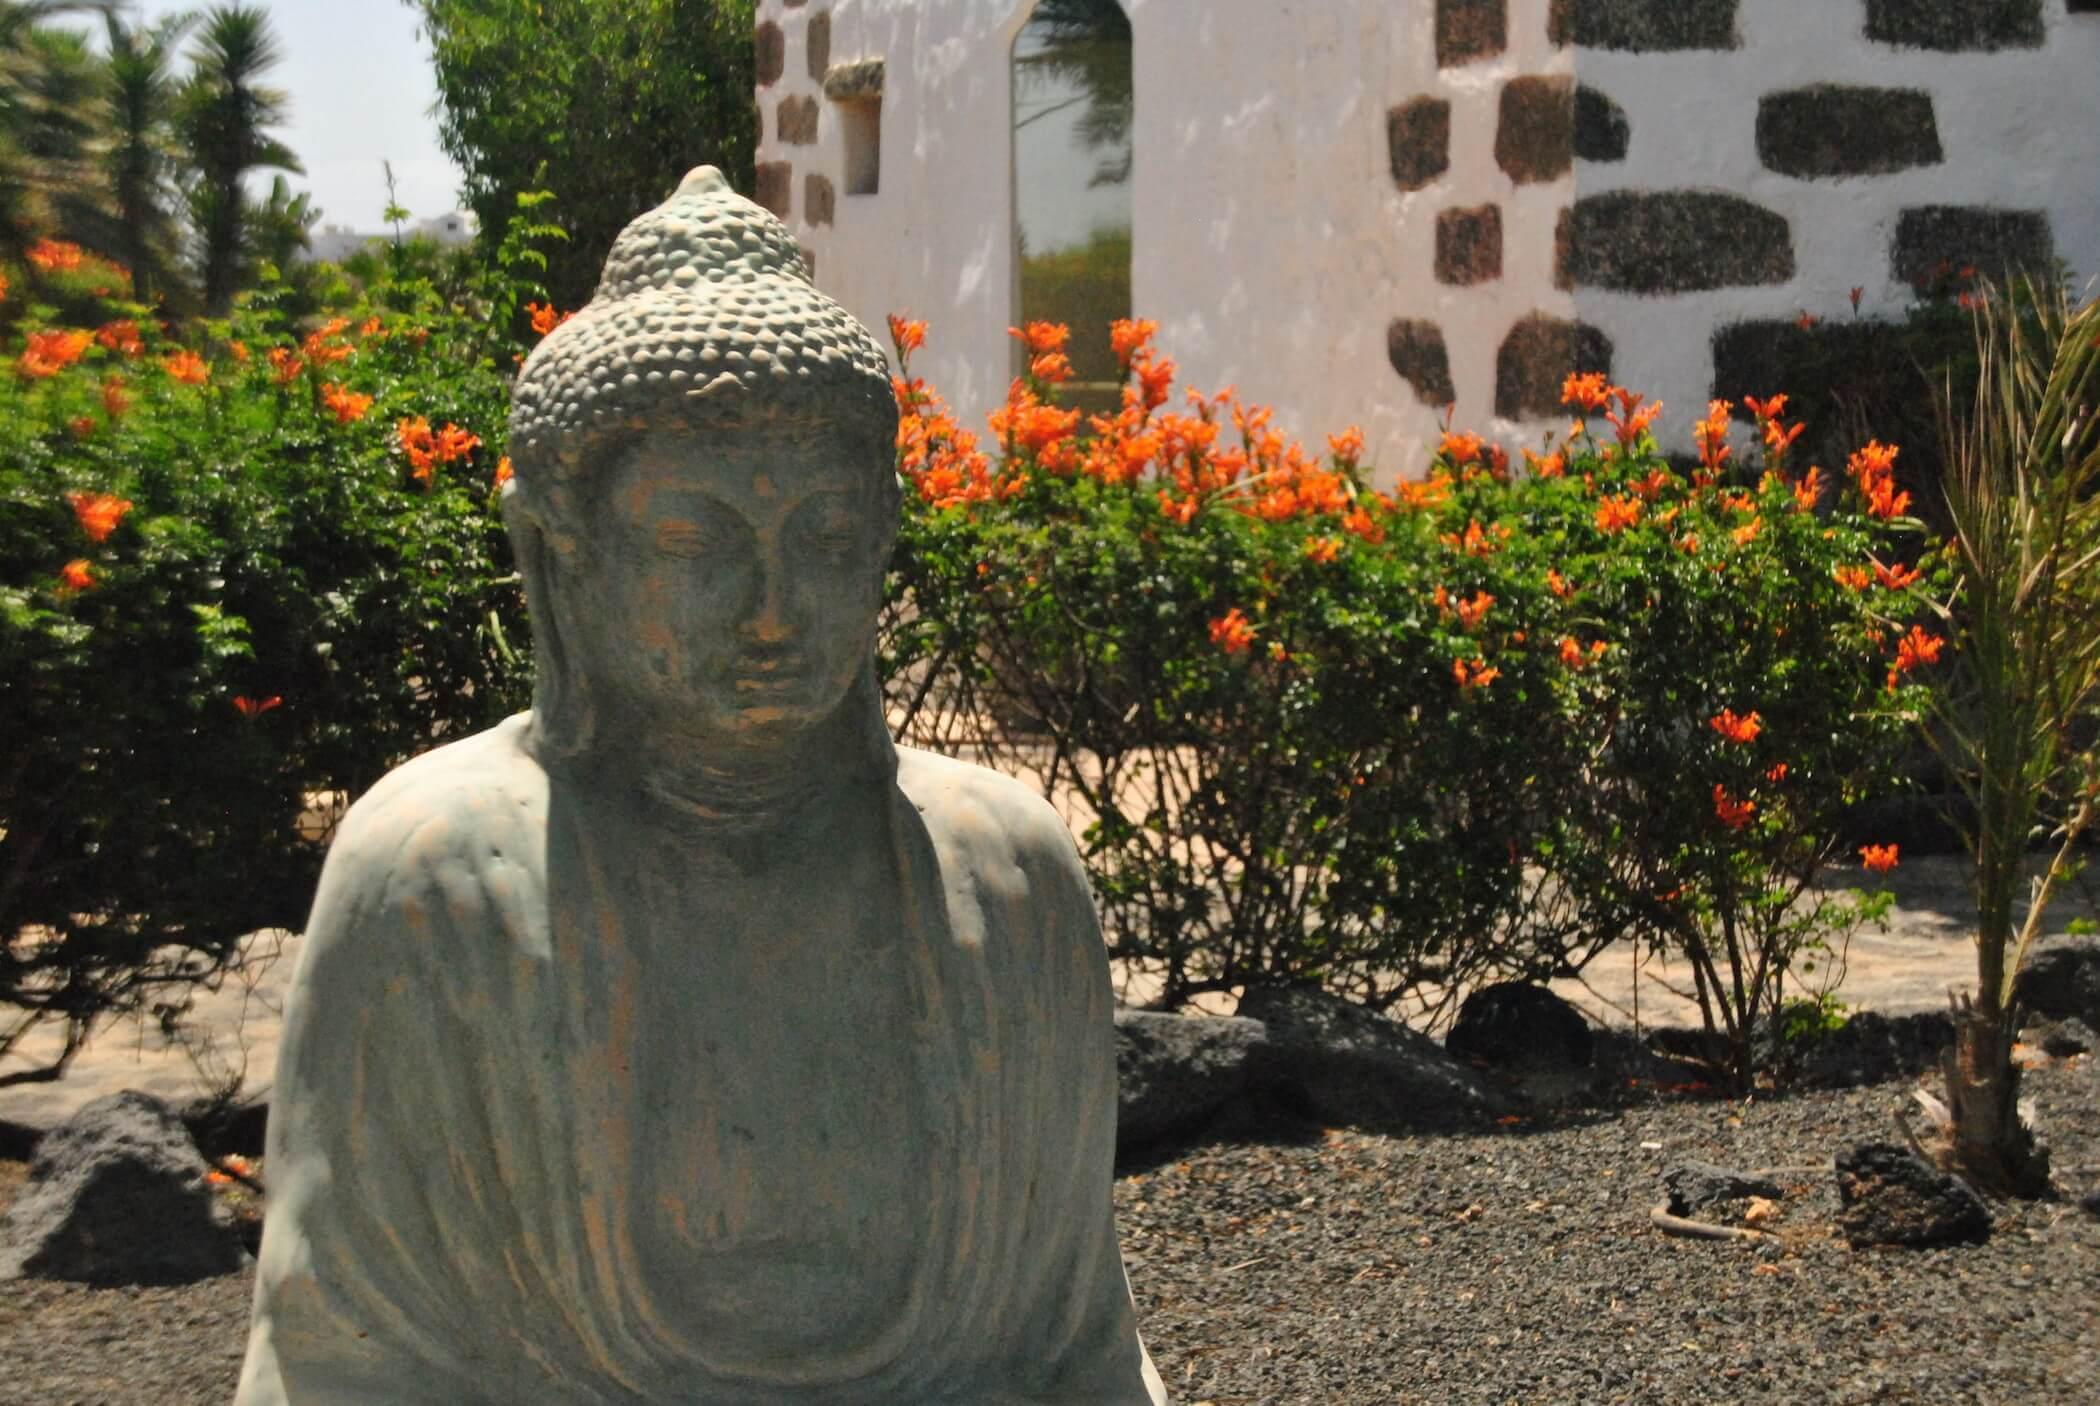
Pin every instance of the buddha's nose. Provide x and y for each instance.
(769, 622)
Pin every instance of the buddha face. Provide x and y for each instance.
(735, 577)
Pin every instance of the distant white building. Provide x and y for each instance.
(1362, 211)
(334, 243)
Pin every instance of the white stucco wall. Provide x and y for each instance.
(2019, 128)
(1274, 249)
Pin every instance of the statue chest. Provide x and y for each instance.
(760, 1109)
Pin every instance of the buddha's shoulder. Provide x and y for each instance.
(963, 802)
(482, 796)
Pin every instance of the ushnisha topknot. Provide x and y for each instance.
(705, 308)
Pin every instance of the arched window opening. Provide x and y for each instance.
(1072, 165)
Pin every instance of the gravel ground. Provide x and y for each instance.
(1511, 1265)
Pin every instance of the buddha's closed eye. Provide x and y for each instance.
(679, 537)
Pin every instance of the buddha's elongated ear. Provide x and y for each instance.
(564, 718)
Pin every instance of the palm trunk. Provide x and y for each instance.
(1990, 1141)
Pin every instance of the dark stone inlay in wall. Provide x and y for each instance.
(1601, 128)
(1645, 26)
(796, 121)
(1955, 26)
(773, 188)
(1469, 245)
(1996, 242)
(1416, 349)
(1418, 134)
(851, 82)
(1832, 129)
(1535, 136)
(1539, 354)
(2084, 7)
(1678, 241)
(1470, 29)
(770, 56)
(816, 42)
(819, 199)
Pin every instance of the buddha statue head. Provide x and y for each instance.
(704, 494)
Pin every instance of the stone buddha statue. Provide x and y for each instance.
(683, 1039)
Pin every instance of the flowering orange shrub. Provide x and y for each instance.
(1476, 724)
(222, 591)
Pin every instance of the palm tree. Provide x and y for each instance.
(142, 157)
(225, 117)
(47, 122)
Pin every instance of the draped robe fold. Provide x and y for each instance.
(556, 1121)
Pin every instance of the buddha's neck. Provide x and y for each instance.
(736, 784)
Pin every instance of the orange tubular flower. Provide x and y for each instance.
(321, 346)
(1809, 491)
(1780, 438)
(908, 337)
(1740, 730)
(1632, 419)
(1054, 367)
(1460, 449)
(1895, 578)
(1588, 392)
(1873, 468)
(1616, 514)
(1554, 465)
(1231, 633)
(285, 365)
(1765, 409)
(48, 353)
(454, 443)
(348, 407)
(504, 472)
(545, 319)
(1918, 648)
(419, 444)
(1361, 524)
(253, 708)
(114, 401)
(1322, 550)
(1472, 612)
(1776, 772)
(1574, 656)
(76, 575)
(1155, 381)
(1731, 812)
(121, 337)
(369, 327)
(1474, 673)
(1042, 338)
(55, 255)
(1877, 859)
(1747, 533)
(1128, 338)
(98, 513)
(187, 367)
(1348, 446)
(1852, 578)
(1426, 493)
(1712, 435)
(1558, 584)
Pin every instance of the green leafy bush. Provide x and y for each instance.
(1391, 743)
(242, 573)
